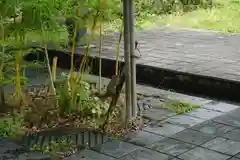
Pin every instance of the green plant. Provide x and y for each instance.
(79, 100)
(43, 15)
(8, 67)
(56, 148)
(118, 51)
(178, 106)
(11, 126)
(148, 7)
(16, 42)
(35, 20)
(5, 68)
(100, 60)
(101, 2)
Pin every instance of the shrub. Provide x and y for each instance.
(167, 6)
(10, 126)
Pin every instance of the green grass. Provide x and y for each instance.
(224, 17)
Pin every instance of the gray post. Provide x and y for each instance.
(127, 59)
(133, 60)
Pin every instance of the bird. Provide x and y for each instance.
(136, 48)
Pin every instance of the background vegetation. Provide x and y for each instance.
(223, 15)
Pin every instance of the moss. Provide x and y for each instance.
(179, 106)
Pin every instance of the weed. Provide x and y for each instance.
(59, 148)
(80, 100)
(178, 106)
(11, 126)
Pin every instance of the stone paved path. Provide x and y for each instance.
(207, 133)
(193, 51)
(210, 132)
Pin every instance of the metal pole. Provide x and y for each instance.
(127, 59)
(133, 60)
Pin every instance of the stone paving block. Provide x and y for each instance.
(116, 148)
(233, 135)
(223, 145)
(211, 127)
(6, 156)
(234, 113)
(203, 154)
(157, 114)
(184, 120)
(146, 154)
(195, 69)
(203, 113)
(233, 158)
(10, 147)
(154, 102)
(171, 146)
(89, 155)
(142, 138)
(165, 129)
(193, 137)
(220, 106)
(34, 156)
(228, 120)
(10, 150)
(237, 155)
(161, 65)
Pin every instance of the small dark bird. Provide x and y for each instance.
(136, 48)
(136, 44)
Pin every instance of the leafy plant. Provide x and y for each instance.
(10, 126)
(178, 106)
(148, 7)
(5, 68)
(24, 20)
(56, 148)
(79, 100)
